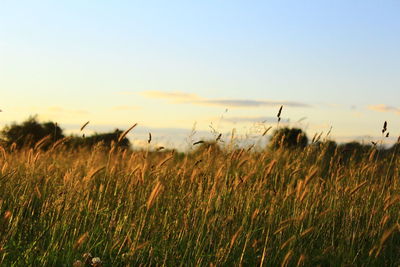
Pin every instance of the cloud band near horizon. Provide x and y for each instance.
(186, 98)
(384, 108)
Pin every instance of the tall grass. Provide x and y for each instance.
(208, 208)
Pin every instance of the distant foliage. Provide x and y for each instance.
(288, 138)
(103, 139)
(395, 148)
(327, 148)
(207, 146)
(29, 132)
(353, 151)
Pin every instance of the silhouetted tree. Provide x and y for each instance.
(353, 151)
(104, 139)
(207, 146)
(329, 146)
(324, 152)
(395, 148)
(325, 149)
(288, 138)
(3, 142)
(29, 132)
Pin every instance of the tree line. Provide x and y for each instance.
(31, 133)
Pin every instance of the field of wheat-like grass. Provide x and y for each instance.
(210, 207)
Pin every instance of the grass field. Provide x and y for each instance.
(229, 207)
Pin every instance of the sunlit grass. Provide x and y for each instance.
(211, 207)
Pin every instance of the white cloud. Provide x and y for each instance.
(174, 96)
(260, 119)
(384, 108)
(186, 98)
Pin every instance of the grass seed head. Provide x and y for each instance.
(154, 194)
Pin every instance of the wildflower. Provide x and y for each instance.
(96, 261)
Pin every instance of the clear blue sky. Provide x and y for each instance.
(168, 64)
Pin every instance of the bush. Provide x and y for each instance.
(29, 132)
(288, 138)
(353, 151)
(207, 146)
(104, 139)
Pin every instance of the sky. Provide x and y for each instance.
(215, 65)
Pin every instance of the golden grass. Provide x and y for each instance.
(227, 207)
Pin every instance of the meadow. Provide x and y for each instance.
(211, 207)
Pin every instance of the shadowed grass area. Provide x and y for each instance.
(228, 207)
